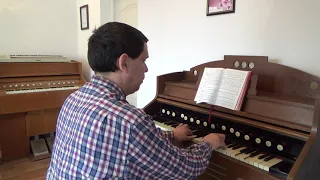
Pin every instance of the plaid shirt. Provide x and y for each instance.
(100, 136)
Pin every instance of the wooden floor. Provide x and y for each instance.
(24, 169)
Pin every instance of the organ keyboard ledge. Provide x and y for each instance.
(273, 136)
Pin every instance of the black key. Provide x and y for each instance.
(263, 156)
(167, 122)
(229, 145)
(161, 119)
(200, 134)
(175, 125)
(232, 145)
(254, 154)
(194, 131)
(268, 158)
(237, 147)
(245, 150)
(250, 151)
(170, 123)
(228, 141)
(204, 131)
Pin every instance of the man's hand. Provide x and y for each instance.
(216, 140)
(182, 133)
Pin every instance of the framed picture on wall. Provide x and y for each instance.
(84, 17)
(215, 7)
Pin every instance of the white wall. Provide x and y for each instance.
(182, 36)
(38, 27)
(83, 35)
(106, 11)
(47, 27)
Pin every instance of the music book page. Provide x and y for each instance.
(209, 85)
(232, 85)
(223, 87)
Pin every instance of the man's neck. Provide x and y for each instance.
(113, 78)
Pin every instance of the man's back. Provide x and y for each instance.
(90, 132)
(99, 135)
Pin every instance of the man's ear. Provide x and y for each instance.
(123, 62)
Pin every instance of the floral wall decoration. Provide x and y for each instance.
(215, 7)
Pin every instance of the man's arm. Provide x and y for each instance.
(166, 134)
(152, 156)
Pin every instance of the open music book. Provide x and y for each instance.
(223, 87)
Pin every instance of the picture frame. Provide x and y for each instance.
(84, 17)
(215, 7)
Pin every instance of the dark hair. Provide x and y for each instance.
(109, 41)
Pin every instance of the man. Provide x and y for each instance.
(100, 136)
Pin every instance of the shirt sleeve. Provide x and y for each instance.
(166, 134)
(151, 156)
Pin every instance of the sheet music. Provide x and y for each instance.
(231, 87)
(209, 85)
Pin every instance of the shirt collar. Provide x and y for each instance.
(111, 86)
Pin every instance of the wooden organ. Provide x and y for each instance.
(273, 136)
(31, 95)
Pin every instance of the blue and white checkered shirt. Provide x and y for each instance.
(100, 136)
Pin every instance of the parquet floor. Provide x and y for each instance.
(24, 169)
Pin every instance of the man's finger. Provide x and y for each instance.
(222, 136)
(189, 132)
(223, 144)
(185, 125)
(189, 138)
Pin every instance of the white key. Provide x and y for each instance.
(163, 126)
(221, 149)
(251, 160)
(259, 161)
(227, 151)
(261, 165)
(199, 139)
(266, 166)
(224, 150)
(242, 157)
(230, 151)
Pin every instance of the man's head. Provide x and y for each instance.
(118, 51)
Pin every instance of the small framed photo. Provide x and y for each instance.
(215, 7)
(84, 17)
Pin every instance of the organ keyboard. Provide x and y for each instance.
(31, 95)
(41, 90)
(273, 136)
